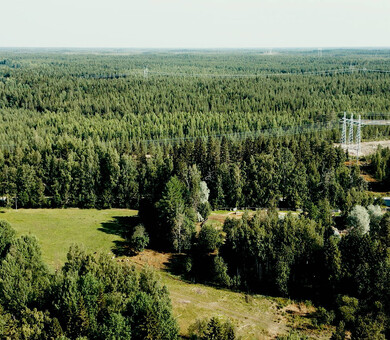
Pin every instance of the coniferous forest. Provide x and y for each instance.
(175, 136)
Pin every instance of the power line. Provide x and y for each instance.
(284, 131)
(257, 75)
(266, 75)
(146, 72)
(273, 132)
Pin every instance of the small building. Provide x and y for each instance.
(386, 200)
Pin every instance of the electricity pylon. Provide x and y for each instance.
(347, 142)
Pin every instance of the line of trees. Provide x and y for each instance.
(293, 172)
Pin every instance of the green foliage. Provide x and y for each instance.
(176, 217)
(293, 335)
(359, 219)
(204, 210)
(139, 239)
(79, 141)
(209, 239)
(348, 307)
(380, 164)
(23, 275)
(384, 230)
(116, 327)
(376, 214)
(324, 317)
(7, 236)
(220, 269)
(339, 333)
(212, 329)
(265, 250)
(92, 297)
(368, 329)
(333, 259)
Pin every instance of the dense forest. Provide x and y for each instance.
(191, 133)
(88, 130)
(301, 257)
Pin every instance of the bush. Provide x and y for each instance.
(324, 317)
(209, 239)
(293, 335)
(221, 276)
(368, 329)
(359, 219)
(204, 210)
(213, 329)
(348, 307)
(376, 215)
(140, 239)
(339, 333)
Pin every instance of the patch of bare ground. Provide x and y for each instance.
(368, 178)
(299, 309)
(150, 258)
(368, 148)
(221, 217)
(298, 317)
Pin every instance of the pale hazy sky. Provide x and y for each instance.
(194, 23)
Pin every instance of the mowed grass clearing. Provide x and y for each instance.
(255, 317)
(58, 229)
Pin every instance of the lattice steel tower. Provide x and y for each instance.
(344, 132)
(358, 137)
(350, 134)
(347, 141)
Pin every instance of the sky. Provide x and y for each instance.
(195, 23)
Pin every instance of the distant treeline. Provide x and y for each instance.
(86, 95)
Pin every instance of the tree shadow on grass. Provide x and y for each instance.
(177, 264)
(122, 226)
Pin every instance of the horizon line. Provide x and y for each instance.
(195, 48)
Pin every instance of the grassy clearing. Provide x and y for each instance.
(255, 317)
(58, 229)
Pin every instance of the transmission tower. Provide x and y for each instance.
(358, 137)
(347, 142)
(350, 134)
(320, 52)
(344, 132)
(146, 71)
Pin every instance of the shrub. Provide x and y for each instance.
(140, 239)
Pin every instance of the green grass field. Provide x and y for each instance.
(58, 229)
(255, 317)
